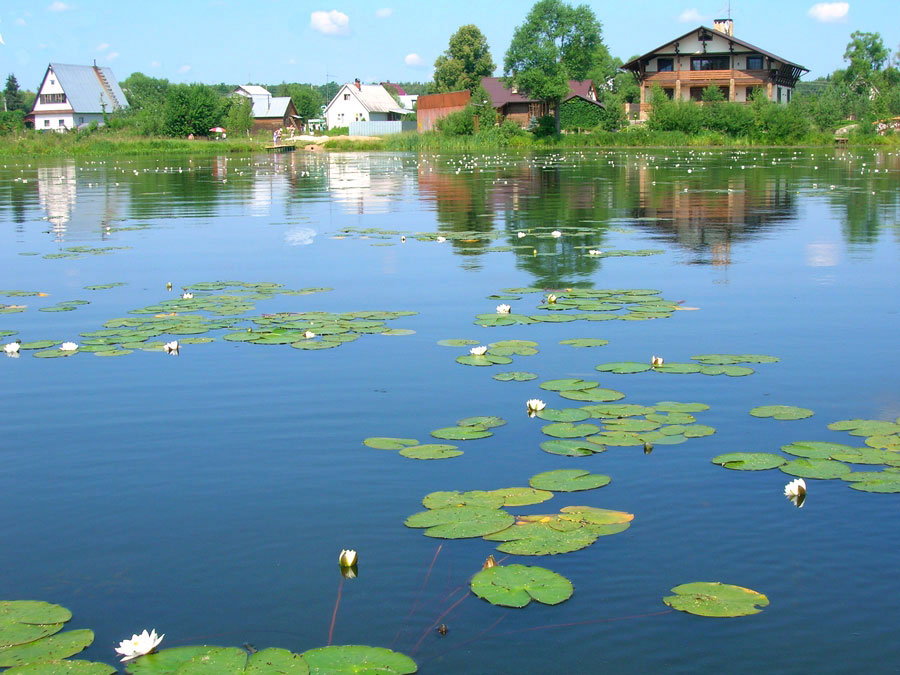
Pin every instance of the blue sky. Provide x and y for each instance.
(270, 41)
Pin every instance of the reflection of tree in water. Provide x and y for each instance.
(866, 201)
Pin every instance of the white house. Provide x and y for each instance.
(71, 97)
(357, 102)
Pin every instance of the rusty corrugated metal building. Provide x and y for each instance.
(433, 107)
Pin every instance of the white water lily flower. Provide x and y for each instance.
(309, 335)
(551, 299)
(348, 558)
(441, 240)
(594, 251)
(11, 347)
(139, 645)
(656, 361)
(796, 491)
(520, 234)
(68, 346)
(503, 309)
(478, 351)
(534, 406)
(556, 233)
(172, 347)
(187, 296)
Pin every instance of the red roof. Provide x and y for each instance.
(397, 88)
(500, 95)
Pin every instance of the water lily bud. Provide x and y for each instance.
(490, 562)
(551, 299)
(656, 361)
(348, 558)
(648, 448)
(168, 285)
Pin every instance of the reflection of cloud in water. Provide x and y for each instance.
(821, 255)
(300, 236)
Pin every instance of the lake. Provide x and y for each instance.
(209, 494)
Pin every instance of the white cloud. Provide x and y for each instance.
(103, 46)
(691, 16)
(414, 60)
(58, 6)
(300, 236)
(154, 64)
(383, 13)
(1, 40)
(292, 61)
(184, 69)
(20, 21)
(330, 23)
(112, 56)
(829, 12)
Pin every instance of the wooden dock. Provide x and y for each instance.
(281, 147)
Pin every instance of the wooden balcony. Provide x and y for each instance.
(702, 78)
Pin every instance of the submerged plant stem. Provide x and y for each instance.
(419, 595)
(337, 603)
(438, 620)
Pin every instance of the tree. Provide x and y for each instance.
(12, 95)
(307, 101)
(555, 44)
(866, 54)
(239, 118)
(466, 61)
(192, 109)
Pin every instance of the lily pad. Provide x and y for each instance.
(194, 659)
(483, 421)
(867, 456)
(569, 430)
(749, 461)
(781, 412)
(389, 443)
(563, 415)
(711, 598)
(457, 342)
(815, 449)
(52, 648)
(675, 406)
(518, 585)
(882, 482)
(568, 480)
(482, 498)
(596, 394)
(624, 367)
(34, 612)
(76, 667)
(584, 342)
(460, 522)
(824, 469)
(483, 360)
(569, 384)
(860, 427)
(38, 344)
(677, 368)
(273, 661)
(698, 431)
(522, 496)
(431, 451)
(729, 359)
(574, 528)
(731, 371)
(630, 424)
(617, 410)
(461, 433)
(356, 659)
(572, 448)
(515, 376)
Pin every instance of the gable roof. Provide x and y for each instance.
(635, 63)
(372, 97)
(501, 95)
(254, 90)
(400, 91)
(83, 88)
(273, 106)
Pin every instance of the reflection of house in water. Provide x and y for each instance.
(98, 203)
(364, 184)
(707, 217)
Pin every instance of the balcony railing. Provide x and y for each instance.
(744, 78)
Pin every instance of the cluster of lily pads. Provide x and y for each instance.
(467, 429)
(81, 251)
(707, 364)
(826, 460)
(31, 643)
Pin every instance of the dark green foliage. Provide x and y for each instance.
(14, 98)
(192, 109)
(576, 113)
(12, 122)
(239, 118)
(459, 123)
(545, 126)
(307, 100)
(466, 61)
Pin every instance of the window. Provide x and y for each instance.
(80, 120)
(52, 81)
(53, 98)
(346, 97)
(669, 92)
(665, 65)
(62, 123)
(697, 93)
(788, 95)
(719, 62)
(754, 63)
(46, 123)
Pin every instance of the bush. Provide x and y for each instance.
(459, 123)
(576, 114)
(12, 122)
(544, 127)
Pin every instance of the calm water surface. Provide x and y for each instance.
(209, 495)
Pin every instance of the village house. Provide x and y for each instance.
(357, 102)
(522, 110)
(71, 97)
(269, 112)
(685, 66)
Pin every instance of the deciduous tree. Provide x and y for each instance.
(466, 61)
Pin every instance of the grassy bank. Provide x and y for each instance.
(99, 144)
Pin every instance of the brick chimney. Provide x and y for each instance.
(724, 26)
(358, 84)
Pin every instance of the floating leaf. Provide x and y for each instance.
(731, 371)
(460, 522)
(569, 384)
(356, 659)
(389, 443)
(781, 412)
(457, 342)
(483, 360)
(515, 376)
(711, 598)
(569, 430)
(698, 431)
(866, 456)
(874, 481)
(522, 496)
(431, 451)
(518, 585)
(584, 342)
(824, 469)
(483, 421)
(630, 424)
(597, 394)
(672, 418)
(815, 449)
(76, 667)
(488, 499)
(188, 660)
(34, 612)
(674, 407)
(618, 438)
(729, 359)
(624, 367)
(563, 415)
(617, 410)
(568, 480)
(749, 461)
(574, 528)
(860, 427)
(677, 368)
(52, 648)
(38, 344)
(570, 448)
(461, 433)
(273, 661)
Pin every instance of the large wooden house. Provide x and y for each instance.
(524, 110)
(72, 96)
(685, 66)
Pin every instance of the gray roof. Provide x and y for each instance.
(83, 89)
(270, 106)
(373, 98)
(255, 90)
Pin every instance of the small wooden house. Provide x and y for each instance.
(522, 110)
(270, 112)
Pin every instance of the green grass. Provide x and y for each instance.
(102, 143)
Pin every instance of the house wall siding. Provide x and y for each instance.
(48, 88)
(342, 112)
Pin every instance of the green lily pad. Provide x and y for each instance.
(749, 461)
(623, 367)
(53, 353)
(617, 410)
(468, 433)
(781, 412)
(618, 438)
(483, 421)
(389, 443)
(572, 448)
(431, 451)
(190, 660)
(460, 522)
(715, 599)
(698, 431)
(515, 376)
(584, 342)
(34, 612)
(731, 371)
(487, 499)
(518, 585)
(357, 659)
(274, 660)
(563, 415)
(457, 342)
(398, 331)
(672, 418)
(860, 427)
(630, 424)
(677, 368)
(569, 384)
(103, 287)
(876, 481)
(675, 407)
(315, 344)
(867, 456)
(569, 430)
(38, 344)
(522, 496)
(483, 360)
(76, 667)
(568, 480)
(51, 648)
(574, 528)
(824, 469)
(596, 394)
(815, 449)
(730, 359)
